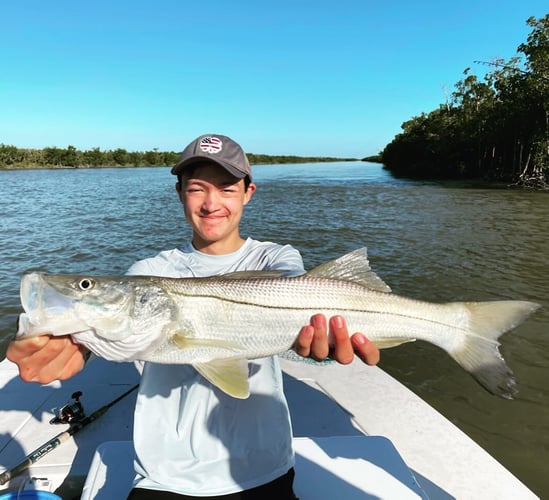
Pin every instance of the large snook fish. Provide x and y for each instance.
(217, 324)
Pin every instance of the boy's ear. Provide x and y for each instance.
(249, 192)
(178, 188)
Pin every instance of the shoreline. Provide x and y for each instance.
(278, 161)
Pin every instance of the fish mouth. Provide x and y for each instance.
(47, 308)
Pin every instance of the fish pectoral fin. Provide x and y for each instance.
(387, 343)
(229, 375)
(185, 342)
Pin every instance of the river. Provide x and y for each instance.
(428, 240)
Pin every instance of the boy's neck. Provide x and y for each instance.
(222, 247)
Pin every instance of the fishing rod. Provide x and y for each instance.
(72, 413)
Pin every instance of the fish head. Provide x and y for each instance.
(63, 304)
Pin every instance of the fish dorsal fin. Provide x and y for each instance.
(251, 275)
(353, 266)
(229, 375)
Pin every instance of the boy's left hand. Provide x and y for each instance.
(313, 341)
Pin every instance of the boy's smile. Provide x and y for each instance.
(213, 201)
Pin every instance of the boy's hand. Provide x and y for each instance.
(313, 341)
(45, 358)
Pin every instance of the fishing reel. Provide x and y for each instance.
(70, 413)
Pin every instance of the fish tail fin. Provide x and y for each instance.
(479, 353)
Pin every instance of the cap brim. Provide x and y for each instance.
(179, 167)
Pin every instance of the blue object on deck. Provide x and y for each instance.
(29, 495)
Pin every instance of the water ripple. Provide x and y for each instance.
(426, 240)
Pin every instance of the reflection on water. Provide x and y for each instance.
(426, 240)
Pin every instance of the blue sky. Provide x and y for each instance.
(322, 78)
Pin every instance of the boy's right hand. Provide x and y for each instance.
(45, 358)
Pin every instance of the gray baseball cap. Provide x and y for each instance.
(219, 149)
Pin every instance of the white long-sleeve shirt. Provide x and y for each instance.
(190, 437)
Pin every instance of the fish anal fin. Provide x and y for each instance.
(229, 375)
(354, 267)
(391, 342)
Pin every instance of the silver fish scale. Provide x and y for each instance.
(293, 293)
(261, 317)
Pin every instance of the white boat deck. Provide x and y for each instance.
(444, 460)
(326, 402)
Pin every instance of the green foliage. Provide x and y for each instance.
(52, 157)
(496, 129)
(258, 159)
(70, 157)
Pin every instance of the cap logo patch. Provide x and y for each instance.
(211, 145)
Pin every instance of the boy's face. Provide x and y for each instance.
(213, 202)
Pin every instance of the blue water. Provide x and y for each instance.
(427, 240)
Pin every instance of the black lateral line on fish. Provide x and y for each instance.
(329, 308)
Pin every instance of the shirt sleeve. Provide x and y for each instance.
(167, 263)
(287, 258)
(140, 268)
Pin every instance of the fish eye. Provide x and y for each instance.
(86, 284)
